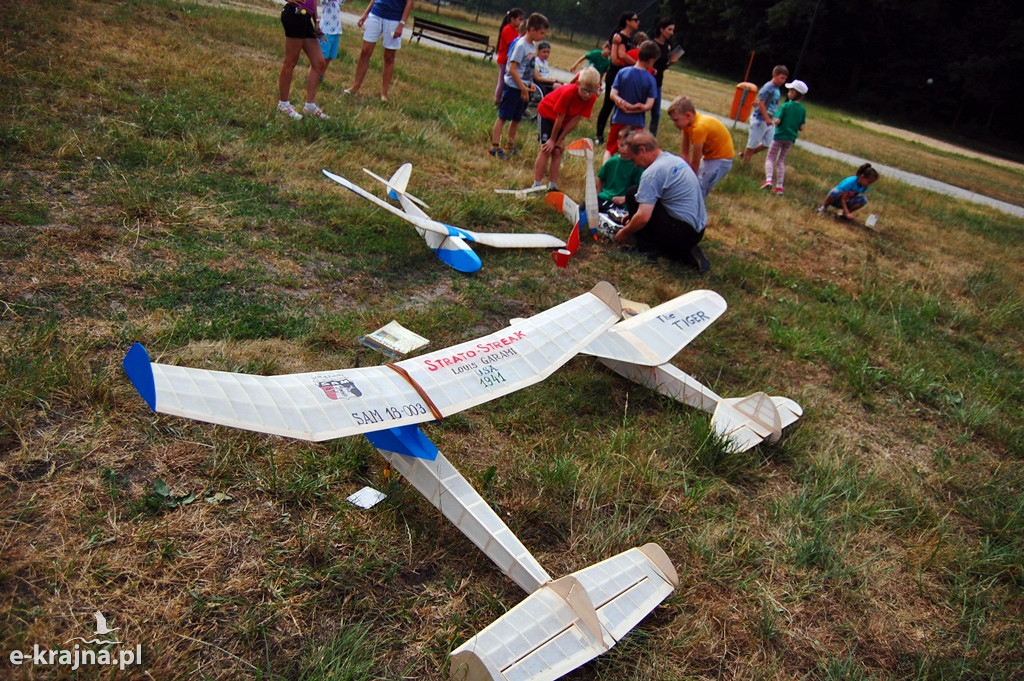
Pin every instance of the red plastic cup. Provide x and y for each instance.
(561, 257)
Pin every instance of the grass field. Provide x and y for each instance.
(150, 192)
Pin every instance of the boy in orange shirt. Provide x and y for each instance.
(707, 144)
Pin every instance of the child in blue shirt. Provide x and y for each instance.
(848, 195)
(634, 92)
(518, 86)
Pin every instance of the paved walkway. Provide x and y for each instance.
(888, 171)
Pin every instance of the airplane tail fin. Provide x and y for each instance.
(397, 184)
(400, 180)
(748, 421)
(567, 622)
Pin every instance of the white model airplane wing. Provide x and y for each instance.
(569, 208)
(509, 239)
(522, 193)
(655, 336)
(331, 404)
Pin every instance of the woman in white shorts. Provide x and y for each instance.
(383, 20)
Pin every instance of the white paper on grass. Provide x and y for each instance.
(367, 497)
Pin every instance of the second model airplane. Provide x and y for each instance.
(450, 244)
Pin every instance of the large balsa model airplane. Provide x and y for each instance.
(563, 622)
(451, 244)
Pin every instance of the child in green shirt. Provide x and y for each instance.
(789, 122)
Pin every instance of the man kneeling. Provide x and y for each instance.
(667, 214)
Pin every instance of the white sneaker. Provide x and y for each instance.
(312, 109)
(287, 108)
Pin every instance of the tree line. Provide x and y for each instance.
(951, 67)
(954, 67)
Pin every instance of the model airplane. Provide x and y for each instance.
(644, 358)
(451, 244)
(562, 623)
(522, 194)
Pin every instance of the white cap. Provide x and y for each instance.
(798, 85)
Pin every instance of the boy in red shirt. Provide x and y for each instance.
(559, 112)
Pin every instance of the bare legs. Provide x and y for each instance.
(364, 65)
(293, 48)
(541, 165)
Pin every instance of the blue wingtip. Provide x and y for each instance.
(405, 440)
(140, 372)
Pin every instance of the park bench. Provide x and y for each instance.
(449, 35)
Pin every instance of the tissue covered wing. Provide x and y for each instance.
(655, 336)
(331, 404)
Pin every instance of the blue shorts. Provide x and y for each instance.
(512, 104)
(329, 46)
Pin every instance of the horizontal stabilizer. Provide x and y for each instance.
(656, 335)
(749, 421)
(420, 222)
(570, 621)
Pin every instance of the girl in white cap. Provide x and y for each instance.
(789, 123)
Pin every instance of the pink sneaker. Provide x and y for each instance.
(289, 110)
(311, 109)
